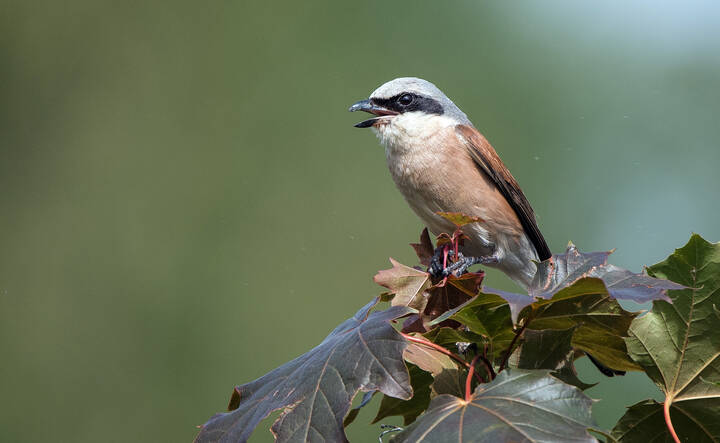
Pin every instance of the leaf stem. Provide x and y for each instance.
(668, 423)
(456, 242)
(468, 380)
(445, 263)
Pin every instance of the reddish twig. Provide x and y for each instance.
(456, 242)
(468, 380)
(446, 249)
(668, 423)
(440, 349)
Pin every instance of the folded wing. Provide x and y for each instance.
(489, 162)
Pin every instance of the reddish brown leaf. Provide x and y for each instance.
(455, 291)
(408, 285)
(314, 391)
(424, 249)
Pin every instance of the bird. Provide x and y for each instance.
(441, 163)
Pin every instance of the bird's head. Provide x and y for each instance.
(409, 106)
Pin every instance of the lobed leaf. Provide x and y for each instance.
(315, 390)
(600, 323)
(695, 422)
(528, 406)
(408, 284)
(576, 272)
(563, 270)
(575, 268)
(424, 250)
(678, 344)
(452, 293)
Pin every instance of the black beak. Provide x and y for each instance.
(370, 107)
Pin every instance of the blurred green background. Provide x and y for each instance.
(185, 205)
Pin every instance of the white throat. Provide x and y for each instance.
(411, 131)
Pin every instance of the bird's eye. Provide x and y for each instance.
(405, 99)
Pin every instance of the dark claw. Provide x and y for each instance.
(461, 266)
(436, 266)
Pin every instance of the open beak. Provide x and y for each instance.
(372, 108)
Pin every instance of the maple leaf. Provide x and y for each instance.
(517, 406)
(678, 345)
(562, 270)
(408, 284)
(315, 390)
(424, 249)
(598, 323)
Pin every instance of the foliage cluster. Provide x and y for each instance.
(460, 361)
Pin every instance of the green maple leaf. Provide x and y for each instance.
(528, 406)
(600, 323)
(678, 345)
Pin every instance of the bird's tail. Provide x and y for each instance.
(519, 262)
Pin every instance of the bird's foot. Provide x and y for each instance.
(460, 266)
(436, 262)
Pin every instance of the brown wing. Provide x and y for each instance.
(488, 161)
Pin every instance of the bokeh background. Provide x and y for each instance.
(185, 205)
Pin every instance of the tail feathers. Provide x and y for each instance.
(520, 268)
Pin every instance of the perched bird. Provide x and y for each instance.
(441, 163)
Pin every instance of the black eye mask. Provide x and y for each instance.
(419, 103)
